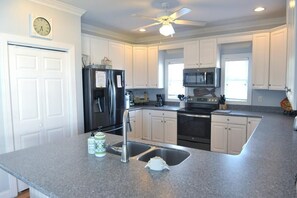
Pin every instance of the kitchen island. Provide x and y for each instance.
(265, 168)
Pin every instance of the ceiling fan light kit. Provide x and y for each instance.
(166, 30)
(166, 20)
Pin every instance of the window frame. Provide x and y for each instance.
(167, 62)
(237, 57)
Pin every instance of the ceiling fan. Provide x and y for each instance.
(166, 20)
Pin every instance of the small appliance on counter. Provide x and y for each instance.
(131, 98)
(160, 100)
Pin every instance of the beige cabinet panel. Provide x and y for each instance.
(208, 53)
(236, 138)
(170, 130)
(251, 126)
(99, 50)
(140, 67)
(157, 129)
(260, 67)
(219, 137)
(116, 53)
(191, 54)
(128, 66)
(278, 59)
(146, 125)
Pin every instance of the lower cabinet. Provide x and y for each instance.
(251, 126)
(136, 124)
(228, 134)
(160, 126)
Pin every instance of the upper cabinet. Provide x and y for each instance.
(278, 59)
(291, 84)
(260, 60)
(269, 60)
(116, 53)
(202, 53)
(129, 66)
(140, 67)
(147, 67)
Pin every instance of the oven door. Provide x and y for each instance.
(194, 129)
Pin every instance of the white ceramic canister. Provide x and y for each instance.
(100, 144)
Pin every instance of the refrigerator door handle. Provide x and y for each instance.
(109, 96)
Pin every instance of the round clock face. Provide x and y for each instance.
(42, 26)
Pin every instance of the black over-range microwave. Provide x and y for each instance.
(202, 77)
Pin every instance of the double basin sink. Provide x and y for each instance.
(144, 152)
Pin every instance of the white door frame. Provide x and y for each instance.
(5, 39)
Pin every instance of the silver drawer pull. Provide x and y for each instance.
(195, 116)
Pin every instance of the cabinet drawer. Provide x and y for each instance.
(229, 119)
(132, 113)
(168, 114)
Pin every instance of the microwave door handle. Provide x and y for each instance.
(196, 116)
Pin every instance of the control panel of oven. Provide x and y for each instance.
(207, 100)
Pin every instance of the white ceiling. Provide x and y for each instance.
(115, 15)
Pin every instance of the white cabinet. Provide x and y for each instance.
(191, 54)
(136, 124)
(236, 138)
(128, 66)
(116, 53)
(260, 60)
(269, 60)
(155, 68)
(252, 124)
(208, 52)
(202, 53)
(146, 125)
(291, 82)
(278, 59)
(147, 67)
(140, 67)
(160, 126)
(228, 134)
(99, 49)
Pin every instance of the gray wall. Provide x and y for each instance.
(14, 19)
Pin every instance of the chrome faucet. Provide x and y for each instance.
(126, 120)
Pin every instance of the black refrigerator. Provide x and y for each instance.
(104, 99)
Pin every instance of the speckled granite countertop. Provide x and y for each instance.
(265, 168)
(237, 113)
(152, 107)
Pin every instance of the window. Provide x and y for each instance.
(174, 79)
(236, 78)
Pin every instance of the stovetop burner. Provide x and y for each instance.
(200, 105)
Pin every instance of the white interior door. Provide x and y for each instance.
(39, 97)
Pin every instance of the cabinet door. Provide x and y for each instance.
(116, 53)
(170, 130)
(208, 53)
(157, 129)
(251, 126)
(260, 60)
(99, 50)
(146, 125)
(219, 137)
(140, 67)
(278, 59)
(132, 134)
(128, 66)
(153, 67)
(191, 54)
(236, 138)
(138, 124)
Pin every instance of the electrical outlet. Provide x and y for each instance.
(260, 98)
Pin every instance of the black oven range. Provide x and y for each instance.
(194, 122)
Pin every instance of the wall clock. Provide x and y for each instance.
(41, 27)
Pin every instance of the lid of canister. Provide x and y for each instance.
(100, 135)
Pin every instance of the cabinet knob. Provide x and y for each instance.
(226, 128)
(249, 122)
(227, 119)
(270, 85)
(229, 129)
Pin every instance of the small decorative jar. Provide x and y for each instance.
(100, 144)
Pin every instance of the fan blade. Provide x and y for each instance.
(180, 13)
(144, 17)
(186, 22)
(150, 25)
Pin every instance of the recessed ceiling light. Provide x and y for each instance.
(259, 9)
(142, 30)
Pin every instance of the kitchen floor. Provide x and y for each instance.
(24, 194)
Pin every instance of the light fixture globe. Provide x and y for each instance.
(166, 29)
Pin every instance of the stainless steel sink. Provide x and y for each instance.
(134, 148)
(170, 156)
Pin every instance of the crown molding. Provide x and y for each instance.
(231, 28)
(97, 31)
(61, 6)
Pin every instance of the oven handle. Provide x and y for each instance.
(196, 116)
